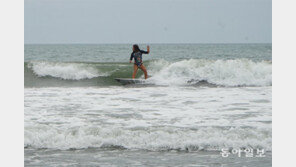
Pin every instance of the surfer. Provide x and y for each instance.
(137, 56)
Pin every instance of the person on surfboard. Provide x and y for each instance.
(137, 56)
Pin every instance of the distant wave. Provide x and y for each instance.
(236, 72)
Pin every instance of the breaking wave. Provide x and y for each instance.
(153, 138)
(67, 71)
(236, 72)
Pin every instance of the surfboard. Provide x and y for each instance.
(126, 81)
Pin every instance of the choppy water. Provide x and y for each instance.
(200, 99)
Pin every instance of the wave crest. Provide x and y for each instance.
(156, 139)
(67, 71)
(238, 72)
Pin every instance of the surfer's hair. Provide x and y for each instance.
(136, 48)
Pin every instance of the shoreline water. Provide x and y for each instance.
(95, 157)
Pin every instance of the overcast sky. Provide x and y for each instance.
(148, 21)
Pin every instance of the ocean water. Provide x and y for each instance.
(200, 99)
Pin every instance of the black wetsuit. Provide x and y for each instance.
(138, 57)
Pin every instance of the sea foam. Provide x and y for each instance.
(156, 139)
(67, 71)
(238, 72)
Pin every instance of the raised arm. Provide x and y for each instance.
(148, 50)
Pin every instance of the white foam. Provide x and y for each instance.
(68, 71)
(238, 72)
(153, 118)
(160, 138)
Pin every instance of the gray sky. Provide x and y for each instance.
(148, 21)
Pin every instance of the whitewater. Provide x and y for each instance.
(236, 72)
(200, 99)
